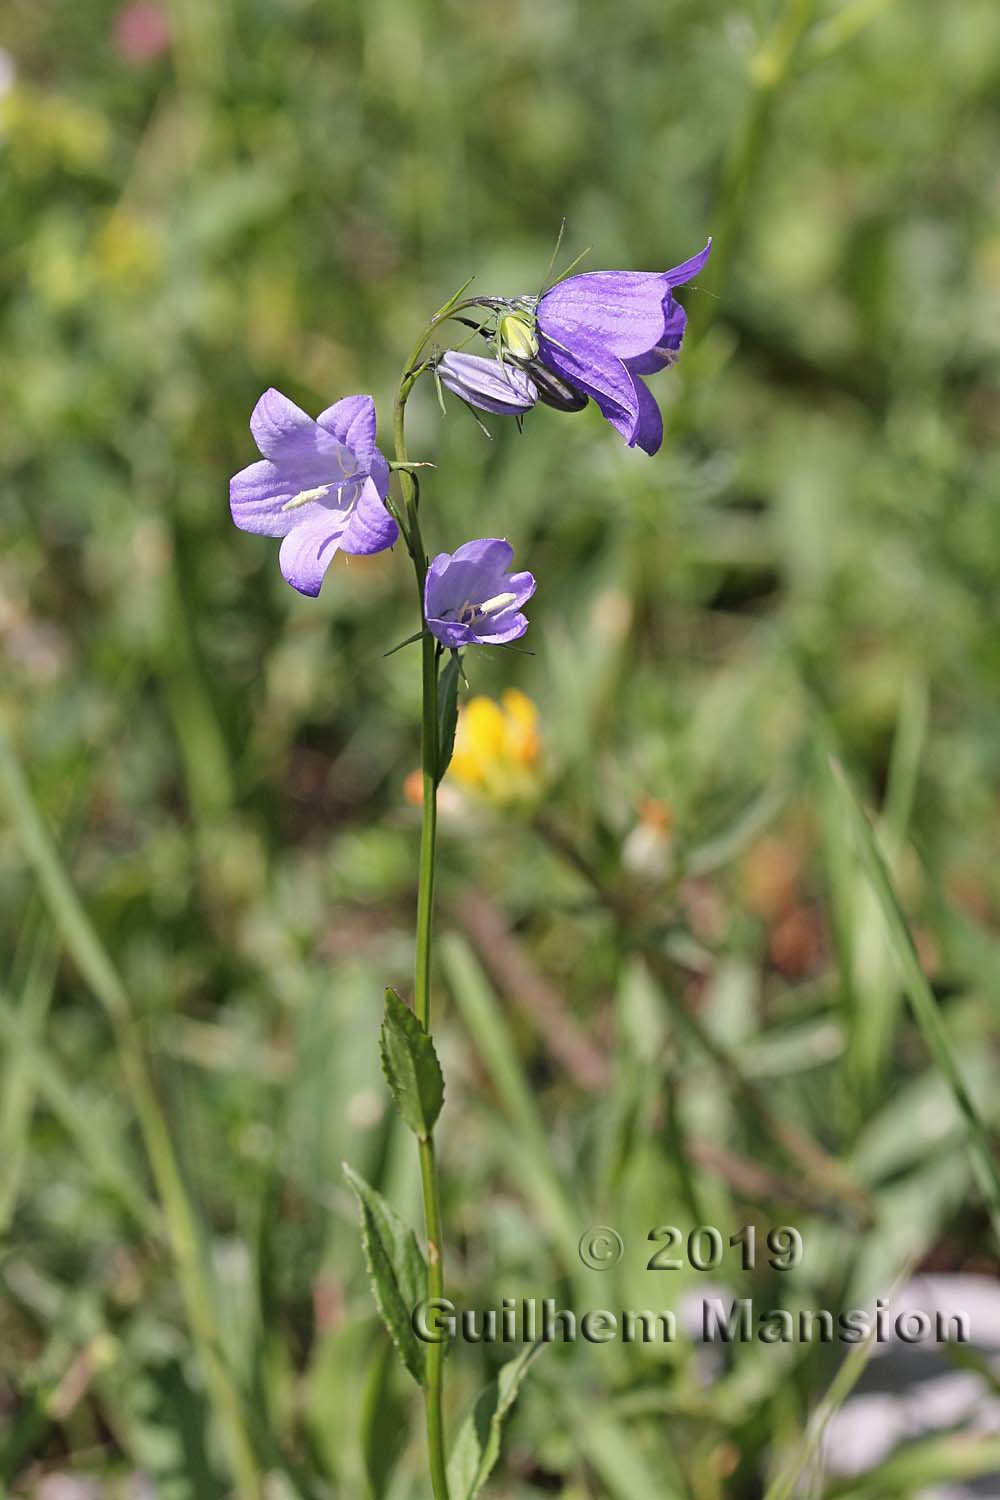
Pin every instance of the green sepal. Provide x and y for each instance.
(396, 1270)
(447, 712)
(453, 300)
(477, 1446)
(411, 1067)
(417, 635)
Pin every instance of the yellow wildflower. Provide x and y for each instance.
(497, 746)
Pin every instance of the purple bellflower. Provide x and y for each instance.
(503, 389)
(321, 485)
(471, 599)
(603, 330)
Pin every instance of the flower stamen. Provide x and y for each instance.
(306, 497)
(470, 612)
(497, 603)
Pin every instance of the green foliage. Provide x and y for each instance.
(395, 1268)
(477, 1444)
(922, 999)
(411, 1067)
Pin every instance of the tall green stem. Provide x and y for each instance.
(410, 522)
(435, 1290)
(428, 836)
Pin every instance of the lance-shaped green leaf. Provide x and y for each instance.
(410, 1065)
(447, 713)
(396, 1270)
(477, 1446)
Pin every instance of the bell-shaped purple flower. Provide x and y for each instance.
(321, 485)
(603, 330)
(503, 389)
(471, 599)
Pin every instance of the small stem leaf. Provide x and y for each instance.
(447, 712)
(395, 1268)
(477, 1446)
(411, 1067)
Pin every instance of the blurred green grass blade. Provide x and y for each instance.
(382, 1432)
(911, 1471)
(85, 947)
(844, 25)
(22, 1437)
(107, 1157)
(485, 1021)
(787, 1482)
(613, 1452)
(920, 994)
(207, 768)
(483, 1016)
(725, 847)
(67, 911)
(904, 763)
(17, 1094)
(872, 983)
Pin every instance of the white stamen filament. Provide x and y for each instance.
(495, 605)
(304, 497)
(470, 611)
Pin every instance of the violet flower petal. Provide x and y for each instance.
(507, 625)
(370, 528)
(648, 433)
(308, 551)
(257, 497)
(678, 275)
(621, 311)
(459, 583)
(600, 375)
(450, 633)
(290, 438)
(321, 485)
(503, 389)
(352, 422)
(666, 351)
(602, 330)
(469, 573)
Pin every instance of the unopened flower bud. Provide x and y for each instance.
(502, 389)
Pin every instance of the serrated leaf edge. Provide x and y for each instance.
(358, 1185)
(421, 1042)
(516, 1370)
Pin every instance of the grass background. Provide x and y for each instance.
(282, 196)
